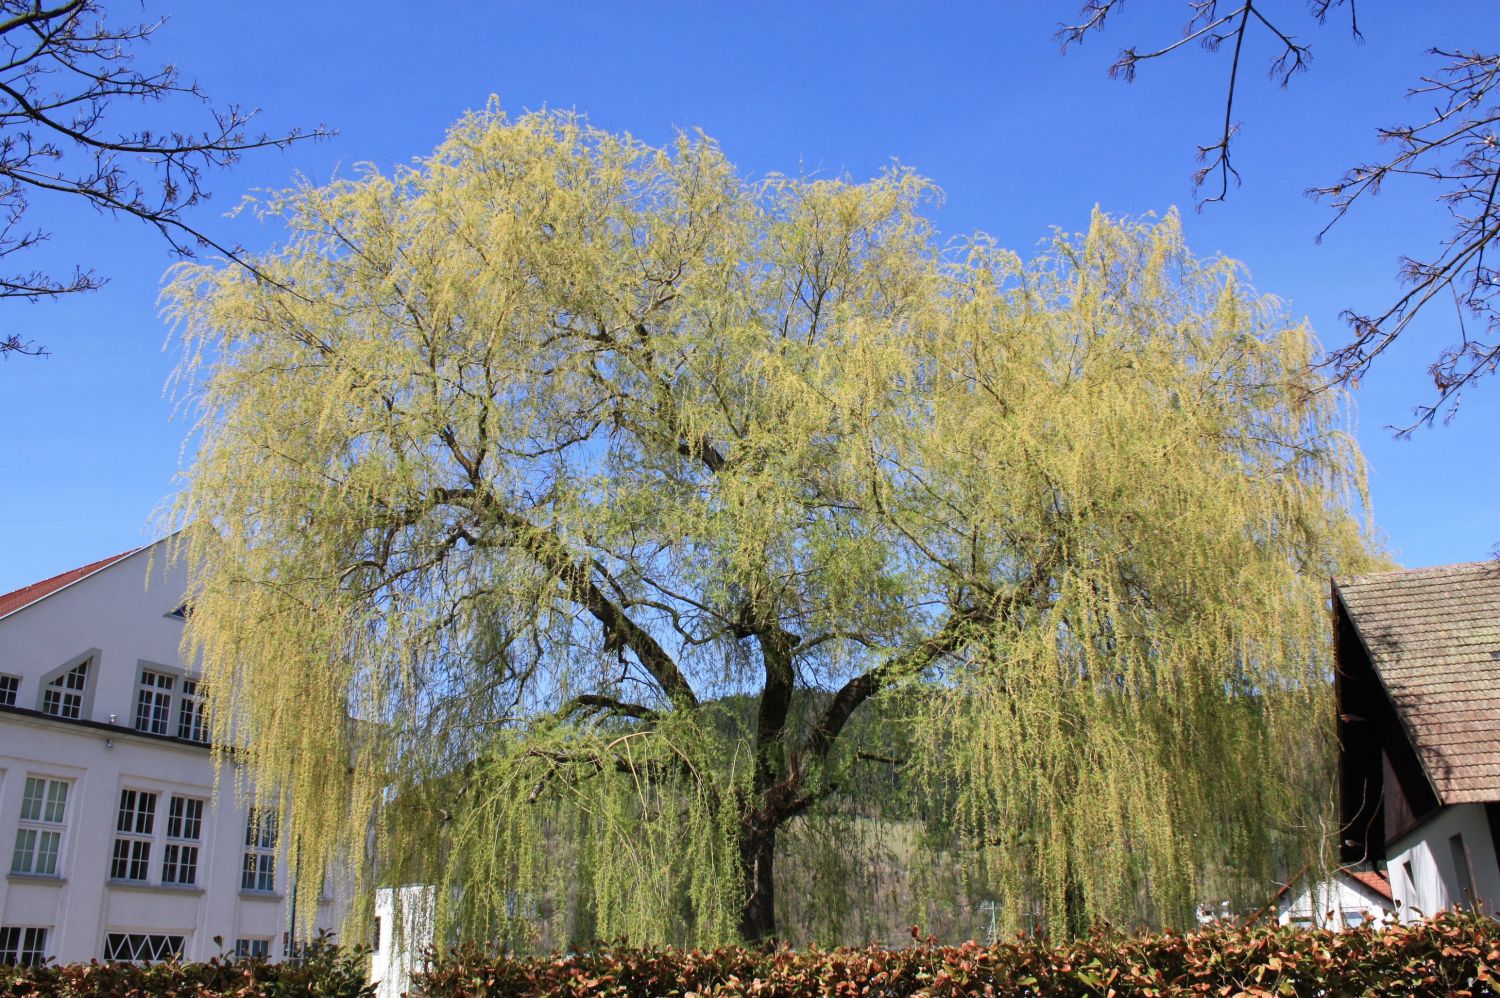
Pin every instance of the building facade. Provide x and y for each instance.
(117, 839)
(1346, 899)
(1417, 657)
(403, 931)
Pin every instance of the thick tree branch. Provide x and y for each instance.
(597, 702)
(947, 639)
(551, 553)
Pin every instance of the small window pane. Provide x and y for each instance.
(23, 858)
(31, 798)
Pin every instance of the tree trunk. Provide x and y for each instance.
(758, 909)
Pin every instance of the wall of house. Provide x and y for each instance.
(126, 626)
(397, 950)
(1332, 904)
(1424, 878)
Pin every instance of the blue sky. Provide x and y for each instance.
(975, 96)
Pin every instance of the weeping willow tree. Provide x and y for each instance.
(561, 504)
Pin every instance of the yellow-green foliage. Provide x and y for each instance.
(522, 473)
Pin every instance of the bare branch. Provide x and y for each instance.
(1457, 149)
(62, 70)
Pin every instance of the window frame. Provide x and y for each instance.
(129, 833)
(176, 847)
(154, 697)
(15, 954)
(258, 862)
(126, 935)
(245, 948)
(191, 704)
(90, 659)
(42, 825)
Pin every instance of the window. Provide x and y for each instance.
(257, 949)
(183, 612)
(133, 829)
(22, 946)
(39, 835)
(259, 872)
(292, 950)
(179, 863)
(1410, 911)
(1354, 919)
(1461, 871)
(63, 697)
(153, 702)
(8, 687)
(190, 713)
(375, 946)
(141, 947)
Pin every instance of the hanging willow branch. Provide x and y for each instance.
(640, 515)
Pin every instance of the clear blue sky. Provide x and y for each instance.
(974, 95)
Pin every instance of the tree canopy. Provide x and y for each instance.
(597, 502)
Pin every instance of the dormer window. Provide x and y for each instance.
(153, 702)
(63, 696)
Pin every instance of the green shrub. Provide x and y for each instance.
(1453, 954)
(326, 971)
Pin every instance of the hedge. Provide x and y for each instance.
(326, 972)
(1453, 954)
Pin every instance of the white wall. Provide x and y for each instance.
(126, 625)
(396, 953)
(1432, 885)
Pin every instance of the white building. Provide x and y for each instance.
(1418, 685)
(400, 937)
(1346, 899)
(115, 841)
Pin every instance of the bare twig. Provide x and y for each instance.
(62, 70)
(1457, 148)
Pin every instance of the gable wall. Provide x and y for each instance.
(112, 611)
(1333, 904)
(1433, 885)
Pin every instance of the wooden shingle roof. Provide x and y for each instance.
(1433, 635)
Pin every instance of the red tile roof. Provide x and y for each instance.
(26, 595)
(1376, 881)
